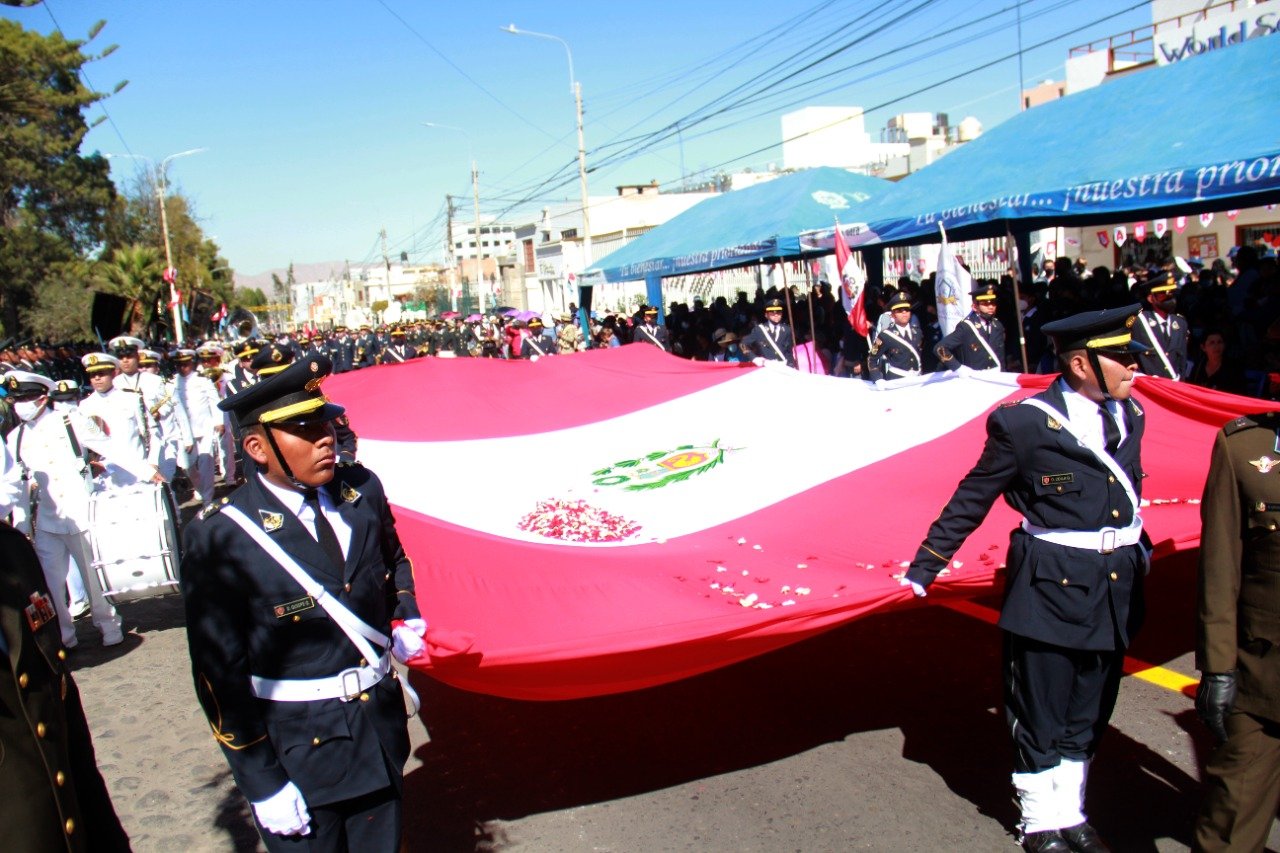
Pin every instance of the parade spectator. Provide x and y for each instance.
(1214, 369)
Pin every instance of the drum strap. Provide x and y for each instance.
(75, 444)
(361, 634)
(33, 494)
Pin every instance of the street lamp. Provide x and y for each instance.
(475, 191)
(575, 89)
(161, 190)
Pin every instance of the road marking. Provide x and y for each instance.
(1149, 672)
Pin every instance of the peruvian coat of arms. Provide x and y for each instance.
(661, 467)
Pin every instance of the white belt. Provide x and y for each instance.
(900, 371)
(1103, 541)
(346, 685)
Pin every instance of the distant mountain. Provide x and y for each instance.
(319, 271)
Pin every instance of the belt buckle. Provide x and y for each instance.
(1105, 547)
(353, 674)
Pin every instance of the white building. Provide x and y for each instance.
(549, 251)
(833, 136)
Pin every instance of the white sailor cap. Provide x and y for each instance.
(21, 383)
(148, 356)
(96, 362)
(126, 344)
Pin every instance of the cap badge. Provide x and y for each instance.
(315, 368)
(276, 355)
(93, 360)
(1128, 324)
(313, 384)
(271, 521)
(349, 494)
(1264, 464)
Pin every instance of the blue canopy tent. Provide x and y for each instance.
(1200, 135)
(762, 223)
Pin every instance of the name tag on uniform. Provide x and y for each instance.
(40, 611)
(1056, 479)
(291, 607)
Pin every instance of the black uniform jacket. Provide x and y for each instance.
(545, 343)
(757, 341)
(887, 351)
(1070, 597)
(51, 794)
(1173, 342)
(247, 616)
(654, 335)
(1239, 602)
(965, 345)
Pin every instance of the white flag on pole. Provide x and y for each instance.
(951, 287)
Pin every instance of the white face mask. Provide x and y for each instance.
(26, 410)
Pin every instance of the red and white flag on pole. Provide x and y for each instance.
(853, 280)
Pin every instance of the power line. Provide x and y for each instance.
(102, 103)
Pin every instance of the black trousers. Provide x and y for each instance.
(371, 822)
(1057, 701)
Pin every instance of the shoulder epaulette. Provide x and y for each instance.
(212, 509)
(1248, 421)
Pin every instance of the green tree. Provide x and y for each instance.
(53, 200)
(135, 273)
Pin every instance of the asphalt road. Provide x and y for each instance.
(882, 735)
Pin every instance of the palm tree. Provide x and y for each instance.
(134, 272)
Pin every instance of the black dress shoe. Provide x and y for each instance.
(1084, 839)
(1049, 841)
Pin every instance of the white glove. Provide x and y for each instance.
(284, 812)
(406, 639)
(915, 587)
(758, 361)
(880, 383)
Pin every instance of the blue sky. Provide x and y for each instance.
(311, 111)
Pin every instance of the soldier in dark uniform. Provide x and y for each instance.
(1161, 328)
(291, 647)
(896, 350)
(977, 341)
(1069, 460)
(649, 332)
(397, 351)
(52, 796)
(771, 340)
(242, 375)
(342, 352)
(1236, 635)
(538, 343)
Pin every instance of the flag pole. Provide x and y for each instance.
(813, 329)
(786, 289)
(1011, 250)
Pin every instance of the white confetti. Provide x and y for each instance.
(742, 541)
(745, 572)
(904, 564)
(802, 565)
(721, 569)
(715, 586)
(748, 600)
(802, 590)
(758, 547)
(955, 564)
(788, 603)
(785, 588)
(764, 606)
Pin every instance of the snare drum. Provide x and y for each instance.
(134, 536)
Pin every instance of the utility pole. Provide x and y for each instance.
(475, 188)
(453, 258)
(386, 261)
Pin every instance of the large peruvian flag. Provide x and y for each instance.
(616, 519)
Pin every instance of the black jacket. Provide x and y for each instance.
(246, 616)
(52, 796)
(1066, 596)
(967, 344)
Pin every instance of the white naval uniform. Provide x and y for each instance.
(118, 410)
(43, 452)
(169, 430)
(200, 399)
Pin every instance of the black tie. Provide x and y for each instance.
(1110, 431)
(324, 531)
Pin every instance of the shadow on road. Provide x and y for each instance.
(930, 672)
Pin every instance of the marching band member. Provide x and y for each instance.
(167, 439)
(49, 448)
(200, 400)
